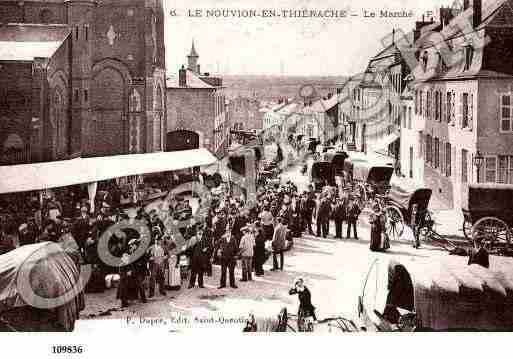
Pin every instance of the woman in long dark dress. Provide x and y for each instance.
(376, 229)
(259, 254)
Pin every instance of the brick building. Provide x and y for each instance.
(463, 101)
(197, 115)
(81, 77)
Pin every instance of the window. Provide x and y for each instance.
(409, 118)
(442, 158)
(404, 116)
(425, 60)
(436, 154)
(77, 96)
(440, 106)
(86, 95)
(429, 150)
(411, 162)
(428, 104)
(436, 106)
(448, 160)
(421, 110)
(471, 111)
(86, 30)
(506, 113)
(448, 107)
(464, 169)
(505, 172)
(416, 101)
(453, 109)
(490, 169)
(469, 54)
(464, 110)
(46, 16)
(76, 32)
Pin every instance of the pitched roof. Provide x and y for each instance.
(192, 80)
(24, 42)
(323, 105)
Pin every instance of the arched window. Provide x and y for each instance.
(59, 137)
(158, 120)
(46, 16)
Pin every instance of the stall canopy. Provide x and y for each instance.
(383, 143)
(38, 176)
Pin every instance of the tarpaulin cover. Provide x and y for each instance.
(449, 294)
(406, 197)
(488, 197)
(50, 273)
(369, 172)
(38, 176)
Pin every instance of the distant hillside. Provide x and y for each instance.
(274, 87)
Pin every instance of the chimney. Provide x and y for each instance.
(198, 70)
(476, 12)
(182, 77)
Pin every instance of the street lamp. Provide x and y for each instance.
(478, 162)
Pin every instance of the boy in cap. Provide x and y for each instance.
(247, 244)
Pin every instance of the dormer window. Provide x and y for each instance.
(469, 54)
(442, 66)
(424, 60)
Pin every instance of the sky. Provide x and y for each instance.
(284, 46)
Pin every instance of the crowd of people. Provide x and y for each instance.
(229, 232)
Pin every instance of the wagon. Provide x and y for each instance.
(445, 295)
(488, 212)
(40, 289)
(368, 178)
(338, 160)
(321, 174)
(398, 209)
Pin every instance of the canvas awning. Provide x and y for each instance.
(38, 176)
(383, 143)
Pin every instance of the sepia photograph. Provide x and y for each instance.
(303, 166)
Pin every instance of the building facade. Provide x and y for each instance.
(244, 114)
(197, 113)
(462, 102)
(101, 92)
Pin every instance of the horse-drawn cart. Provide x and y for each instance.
(368, 178)
(399, 206)
(488, 213)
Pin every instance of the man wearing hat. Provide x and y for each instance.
(227, 253)
(278, 243)
(353, 212)
(247, 244)
(25, 235)
(157, 259)
(259, 252)
(199, 258)
(82, 227)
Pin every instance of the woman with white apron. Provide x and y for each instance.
(173, 278)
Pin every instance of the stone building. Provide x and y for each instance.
(463, 101)
(81, 77)
(197, 115)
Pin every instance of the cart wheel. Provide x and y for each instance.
(394, 222)
(467, 229)
(494, 230)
